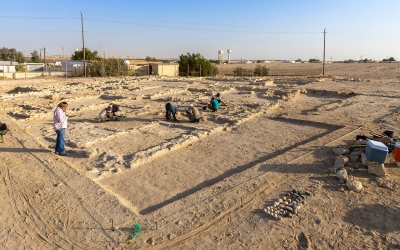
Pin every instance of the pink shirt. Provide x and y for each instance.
(60, 119)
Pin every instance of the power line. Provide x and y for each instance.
(43, 18)
(164, 21)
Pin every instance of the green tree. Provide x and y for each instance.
(240, 71)
(89, 55)
(35, 57)
(196, 63)
(314, 60)
(12, 54)
(391, 59)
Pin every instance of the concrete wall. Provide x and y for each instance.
(26, 75)
(142, 69)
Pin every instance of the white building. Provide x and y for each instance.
(8, 66)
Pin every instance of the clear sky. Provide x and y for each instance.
(253, 29)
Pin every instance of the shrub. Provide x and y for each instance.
(108, 67)
(261, 70)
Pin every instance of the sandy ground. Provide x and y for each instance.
(199, 185)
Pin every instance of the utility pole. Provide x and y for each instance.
(44, 54)
(323, 62)
(83, 44)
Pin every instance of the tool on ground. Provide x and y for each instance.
(114, 118)
(3, 131)
(112, 225)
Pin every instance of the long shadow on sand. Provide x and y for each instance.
(228, 173)
(20, 150)
(376, 217)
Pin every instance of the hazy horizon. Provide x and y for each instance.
(256, 30)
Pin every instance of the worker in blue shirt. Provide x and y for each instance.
(214, 104)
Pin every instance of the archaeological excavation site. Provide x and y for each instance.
(289, 162)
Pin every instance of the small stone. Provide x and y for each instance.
(354, 158)
(284, 198)
(376, 169)
(387, 184)
(364, 159)
(290, 215)
(356, 153)
(171, 236)
(341, 151)
(280, 200)
(342, 175)
(289, 208)
(354, 185)
(341, 189)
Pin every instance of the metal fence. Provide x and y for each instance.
(254, 71)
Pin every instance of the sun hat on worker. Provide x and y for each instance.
(63, 105)
(218, 94)
(191, 105)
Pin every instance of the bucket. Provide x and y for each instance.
(397, 152)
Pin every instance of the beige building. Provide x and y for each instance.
(165, 69)
(152, 68)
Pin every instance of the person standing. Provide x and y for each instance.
(171, 109)
(60, 119)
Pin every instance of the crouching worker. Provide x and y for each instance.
(112, 112)
(116, 110)
(193, 113)
(171, 109)
(213, 105)
(105, 114)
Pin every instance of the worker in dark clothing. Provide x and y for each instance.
(171, 109)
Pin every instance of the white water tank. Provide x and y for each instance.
(127, 62)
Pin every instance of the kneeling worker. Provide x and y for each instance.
(171, 109)
(193, 113)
